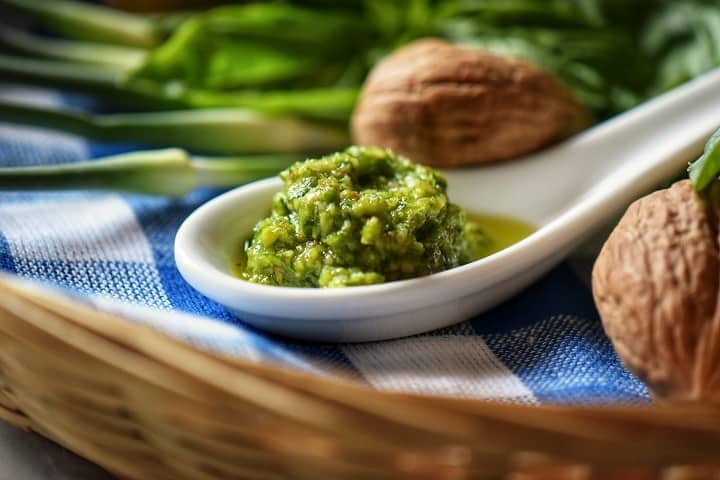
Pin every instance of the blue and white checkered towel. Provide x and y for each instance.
(544, 346)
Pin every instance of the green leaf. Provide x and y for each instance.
(706, 168)
(259, 46)
(198, 60)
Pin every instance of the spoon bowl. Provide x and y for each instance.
(567, 191)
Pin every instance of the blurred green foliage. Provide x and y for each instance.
(611, 53)
(310, 57)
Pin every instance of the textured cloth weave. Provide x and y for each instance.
(546, 345)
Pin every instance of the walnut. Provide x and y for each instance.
(449, 106)
(656, 286)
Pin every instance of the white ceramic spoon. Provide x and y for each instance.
(566, 191)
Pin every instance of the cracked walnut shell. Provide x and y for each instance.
(656, 284)
(448, 106)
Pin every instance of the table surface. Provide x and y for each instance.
(28, 456)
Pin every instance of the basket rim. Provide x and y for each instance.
(346, 411)
(144, 338)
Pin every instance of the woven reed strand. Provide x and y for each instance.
(146, 406)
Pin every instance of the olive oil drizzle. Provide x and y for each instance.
(502, 230)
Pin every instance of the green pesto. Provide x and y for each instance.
(359, 217)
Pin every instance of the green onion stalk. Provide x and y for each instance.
(224, 131)
(88, 21)
(170, 172)
(331, 104)
(114, 72)
(87, 78)
(271, 57)
(122, 58)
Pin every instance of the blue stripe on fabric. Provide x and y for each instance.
(550, 336)
(7, 263)
(160, 219)
(567, 359)
(558, 292)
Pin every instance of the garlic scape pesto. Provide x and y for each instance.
(359, 217)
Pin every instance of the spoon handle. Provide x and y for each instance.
(652, 142)
(631, 155)
(620, 159)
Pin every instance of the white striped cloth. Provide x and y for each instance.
(115, 250)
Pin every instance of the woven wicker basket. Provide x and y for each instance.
(104, 388)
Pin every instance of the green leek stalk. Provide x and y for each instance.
(331, 103)
(120, 57)
(86, 78)
(219, 131)
(87, 21)
(170, 172)
(272, 57)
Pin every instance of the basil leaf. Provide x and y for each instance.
(706, 168)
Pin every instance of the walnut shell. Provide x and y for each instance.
(445, 105)
(655, 284)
